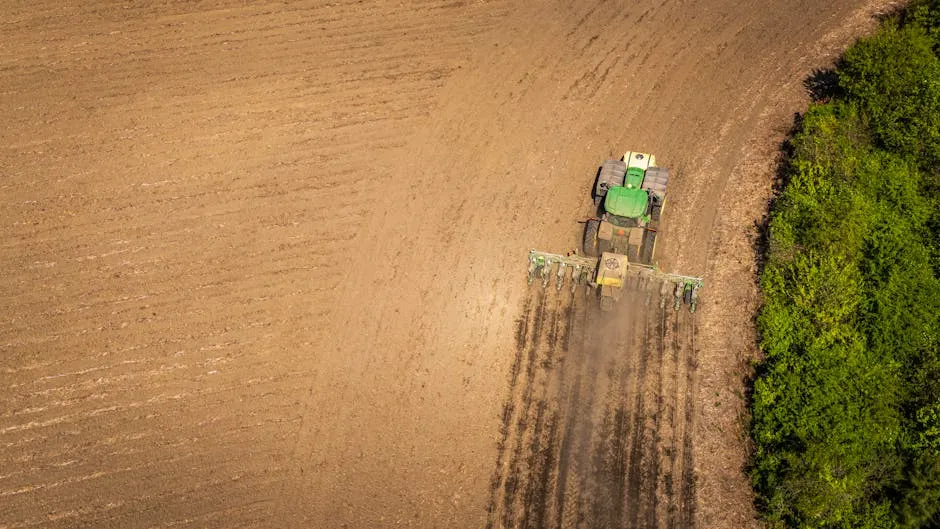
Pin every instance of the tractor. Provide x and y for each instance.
(619, 244)
(631, 195)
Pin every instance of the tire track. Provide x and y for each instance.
(669, 402)
(688, 471)
(579, 399)
(682, 338)
(653, 452)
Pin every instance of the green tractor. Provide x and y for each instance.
(631, 194)
(619, 245)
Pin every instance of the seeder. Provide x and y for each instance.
(610, 273)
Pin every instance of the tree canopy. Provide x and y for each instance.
(846, 403)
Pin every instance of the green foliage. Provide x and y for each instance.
(925, 14)
(919, 496)
(894, 78)
(846, 407)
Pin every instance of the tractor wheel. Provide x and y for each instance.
(590, 238)
(656, 213)
(649, 246)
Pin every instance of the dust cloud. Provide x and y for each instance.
(597, 421)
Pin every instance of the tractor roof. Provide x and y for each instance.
(627, 202)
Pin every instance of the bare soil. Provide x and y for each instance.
(263, 264)
(597, 430)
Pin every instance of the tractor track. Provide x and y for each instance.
(688, 468)
(641, 442)
(583, 440)
(651, 472)
(668, 402)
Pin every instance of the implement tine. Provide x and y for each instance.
(541, 263)
(560, 276)
(663, 294)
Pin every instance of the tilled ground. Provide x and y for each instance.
(597, 429)
(261, 264)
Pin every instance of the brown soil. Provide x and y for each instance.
(597, 430)
(262, 264)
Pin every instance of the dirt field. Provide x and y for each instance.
(598, 428)
(263, 264)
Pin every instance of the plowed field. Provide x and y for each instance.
(598, 428)
(263, 264)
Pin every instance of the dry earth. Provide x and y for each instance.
(262, 264)
(598, 428)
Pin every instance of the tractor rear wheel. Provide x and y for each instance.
(590, 238)
(649, 246)
(656, 213)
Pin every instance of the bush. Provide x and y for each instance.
(894, 78)
(846, 405)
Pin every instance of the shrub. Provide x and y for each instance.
(846, 405)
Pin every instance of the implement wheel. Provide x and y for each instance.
(591, 247)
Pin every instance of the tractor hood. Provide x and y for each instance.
(627, 202)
